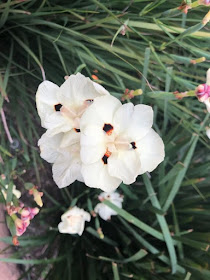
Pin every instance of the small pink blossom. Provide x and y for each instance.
(28, 213)
(21, 226)
(203, 92)
(204, 2)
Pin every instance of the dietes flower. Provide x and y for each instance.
(203, 91)
(60, 108)
(64, 153)
(104, 211)
(73, 221)
(118, 143)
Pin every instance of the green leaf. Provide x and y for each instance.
(115, 271)
(133, 220)
(162, 222)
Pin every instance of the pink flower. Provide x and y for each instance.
(21, 226)
(204, 2)
(203, 92)
(28, 213)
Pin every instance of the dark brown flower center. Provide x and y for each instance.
(57, 107)
(133, 144)
(108, 128)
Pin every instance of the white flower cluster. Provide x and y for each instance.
(73, 220)
(93, 138)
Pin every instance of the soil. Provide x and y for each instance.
(8, 271)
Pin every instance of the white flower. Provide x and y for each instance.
(15, 192)
(104, 211)
(203, 91)
(65, 156)
(117, 143)
(208, 132)
(73, 221)
(60, 108)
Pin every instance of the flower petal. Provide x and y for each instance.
(63, 227)
(208, 77)
(151, 151)
(78, 88)
(100, 112)
(96, 176)
(56, 123)
(66, 169)
(92, 144)
(125, 165)
(70, 138)
(104, 211)
(207, 102)
(135, 121)
(49, 146)
(46, 99)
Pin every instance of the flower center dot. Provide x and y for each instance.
(108, 128)
(133, 144)
(57, 107)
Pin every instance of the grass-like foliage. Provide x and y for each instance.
(163, 230)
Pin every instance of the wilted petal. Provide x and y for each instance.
(104, 211)
(151, 151)
(73, 221)
(96, 175)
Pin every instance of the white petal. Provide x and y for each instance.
(92, 143)
(57, 123)
(96, 176)
(125, 165)
(135, 121)
(49, 146)
(114, 197)
(70, 138)
(208, 77)
(78, 88)
(151, 151)
(104, 211)
(63, 227)
(208, 132)
(66, 169)
(46, 99)
(100, 89)
(100, 112)
(207, 102)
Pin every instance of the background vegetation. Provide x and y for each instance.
(163, 230)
